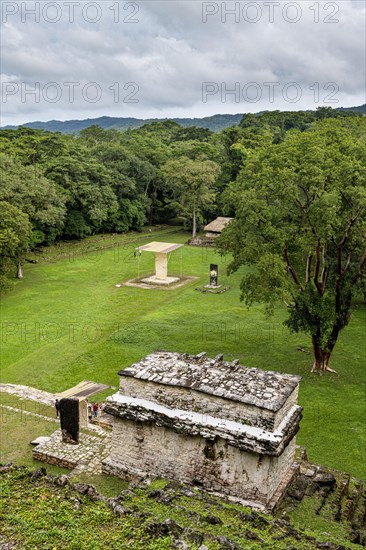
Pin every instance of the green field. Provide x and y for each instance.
(67, 322)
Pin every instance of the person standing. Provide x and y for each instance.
(95, 409)
(57, 407)
(90, 411)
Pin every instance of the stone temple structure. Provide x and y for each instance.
(206, 422)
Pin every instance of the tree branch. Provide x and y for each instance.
(291, 269)
(308, 268)
(352, 221)
(317, 269)
(348, 261)
(325, 270)
(361, 267)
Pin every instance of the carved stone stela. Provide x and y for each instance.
(214, 275)
(69, 417)
(207, 422)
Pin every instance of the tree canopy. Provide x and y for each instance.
(73, 186)
(15, 237)
(300, 223)
(192, 184)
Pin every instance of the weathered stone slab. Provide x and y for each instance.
(155, 280)
(39, 440)
(264, 389)
(86, 388)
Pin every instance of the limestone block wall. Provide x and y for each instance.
(83, 413)
(280, 466)
(54, 460)
(191, 400)
(289, 403)
(143, 448)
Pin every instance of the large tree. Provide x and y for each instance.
(15, 237)
(41, 201)
(300, 223)
(192, 183)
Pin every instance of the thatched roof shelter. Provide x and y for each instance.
(216, 226)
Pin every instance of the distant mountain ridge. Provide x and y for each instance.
(216, 123)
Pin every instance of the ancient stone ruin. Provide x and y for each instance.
(206, 422)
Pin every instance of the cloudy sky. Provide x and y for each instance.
(82, 59)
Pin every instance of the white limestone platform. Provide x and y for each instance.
(153, 280)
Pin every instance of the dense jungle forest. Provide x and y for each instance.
(56, 186)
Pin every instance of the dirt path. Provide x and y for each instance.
(27, 392)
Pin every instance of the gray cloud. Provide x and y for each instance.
(169, 53)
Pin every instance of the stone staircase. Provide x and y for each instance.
(105, 421)
(338, 496)
(353, 509)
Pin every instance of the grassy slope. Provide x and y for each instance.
(67, 322)
(36, 513)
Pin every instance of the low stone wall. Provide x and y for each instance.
(26, 392)
(87, 455)
(54, 460)
(202, 241)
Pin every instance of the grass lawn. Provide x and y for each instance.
(17, 430)
(67, 322)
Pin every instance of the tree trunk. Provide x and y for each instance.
(321, 358)
(326, 358)
(194, 226)
(20, 269)
(151, 213)
(318, 355)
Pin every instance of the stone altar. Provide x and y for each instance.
(161, 251)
